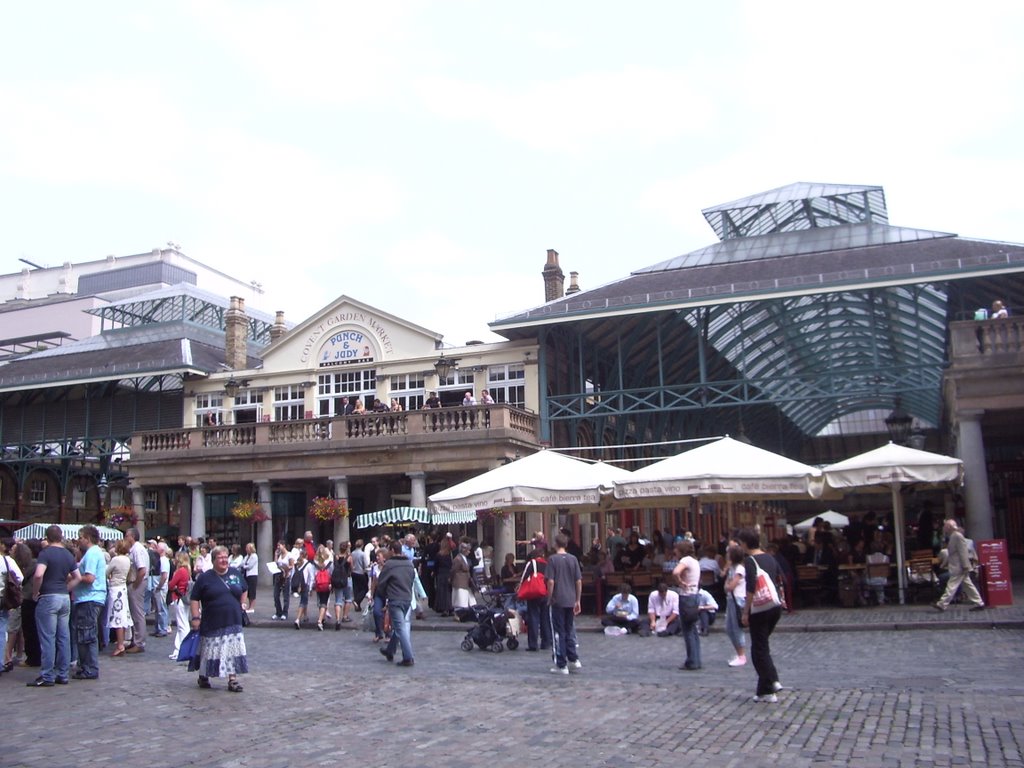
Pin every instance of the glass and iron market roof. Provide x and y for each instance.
(809, 283)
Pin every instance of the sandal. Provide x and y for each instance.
(204, 682)
(119, 652)
(234, 686)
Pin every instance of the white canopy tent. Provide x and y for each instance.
(38, 531)
(835, 519)
(546, 479)
(892, 466)
(725, 469)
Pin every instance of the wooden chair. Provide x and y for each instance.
(921, 579)
(589, 595)
(879, 572)
(808, 584)
(643, 584)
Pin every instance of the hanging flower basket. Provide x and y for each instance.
(325, 509)
(121, 517)
(249, 511)
(497, 513)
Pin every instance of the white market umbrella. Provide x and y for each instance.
(546, 479)
(835, 519)
(725, 468)
(894, 465)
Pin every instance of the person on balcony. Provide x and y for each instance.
(359, 409)
(433, 401)
(468, 399)
(485, 398)
(999, 311)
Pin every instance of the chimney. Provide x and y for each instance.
(554, 279)
(278, 329)
(235, 326)
(574, 284)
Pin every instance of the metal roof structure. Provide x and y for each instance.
(810, 309)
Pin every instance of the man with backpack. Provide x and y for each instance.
(302, 583)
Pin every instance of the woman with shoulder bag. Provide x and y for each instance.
(761, 612)
(178, 591)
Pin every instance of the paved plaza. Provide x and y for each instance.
(927, 696)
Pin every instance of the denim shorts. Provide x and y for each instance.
(343, 594)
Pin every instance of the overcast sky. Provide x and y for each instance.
(422, 156)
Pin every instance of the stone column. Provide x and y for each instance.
(185, 514)
(139, 508)
(341, 525)
(264, 530)
(504, 539)
(418, 495)
(971, 450)
(198, 511)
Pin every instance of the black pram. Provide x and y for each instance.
(493, 623)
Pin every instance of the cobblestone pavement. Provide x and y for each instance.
(867, 698)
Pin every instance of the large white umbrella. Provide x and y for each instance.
(894, 465)
(546, 479)
(724, 468)
(835, 519)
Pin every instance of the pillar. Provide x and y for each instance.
(198, 511)
(185, 514)
(341, 525)
(971, 450)
(418, 493)
(139, 508)
(264, 530)
(504, 539)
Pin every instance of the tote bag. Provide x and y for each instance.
(766, 596)
(533, 587)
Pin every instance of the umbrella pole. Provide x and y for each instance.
(897, 522)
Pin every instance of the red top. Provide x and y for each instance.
(178, 584)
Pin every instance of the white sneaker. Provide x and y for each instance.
(776, 686)
(771, 698)
(575, 664)
(559, 670)
(738, 661)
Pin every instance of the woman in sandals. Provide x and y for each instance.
(119, 569)
(219, 595)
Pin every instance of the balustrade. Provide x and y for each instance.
(363, 427)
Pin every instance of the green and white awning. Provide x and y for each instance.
(453, 518)
(38, 531)
(392, 516)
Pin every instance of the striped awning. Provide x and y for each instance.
(38, 531)
(453, 518)
(392, 516)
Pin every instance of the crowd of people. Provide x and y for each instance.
(80, 597)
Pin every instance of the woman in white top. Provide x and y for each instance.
(119, 617)
(736, 598)
(251, 569)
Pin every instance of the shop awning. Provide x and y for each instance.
(394, 515)
(38, 531)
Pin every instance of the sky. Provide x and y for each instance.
(422, 157)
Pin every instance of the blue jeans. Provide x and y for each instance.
(87, 637)
(160, 624)
(400, 629)
(378, 618)
(732, 624)
(563, 628)
(690, 636)
(52, 614)
(538, 623)
(3, 624)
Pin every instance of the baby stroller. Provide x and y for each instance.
(493, 623)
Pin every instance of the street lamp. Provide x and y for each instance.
(898, 423)
(444, 366)
(232, 387)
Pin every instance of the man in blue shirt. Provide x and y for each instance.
(90, 598)
(623, 610)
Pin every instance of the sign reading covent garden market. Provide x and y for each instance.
(352, 337)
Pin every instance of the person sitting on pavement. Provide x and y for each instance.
(663, 611)
(708, 611)
(623, 610)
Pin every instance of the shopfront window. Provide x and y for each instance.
(209, 410)
(408, 389)
(507, 384)
(289, 403)
(332, 387)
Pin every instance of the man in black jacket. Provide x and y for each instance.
(395, 584)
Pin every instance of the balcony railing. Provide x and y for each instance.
(987, 342)
(441, 422)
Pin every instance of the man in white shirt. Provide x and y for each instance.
(139, 557)
(623, 610)
(160, 592)
(663, 611)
